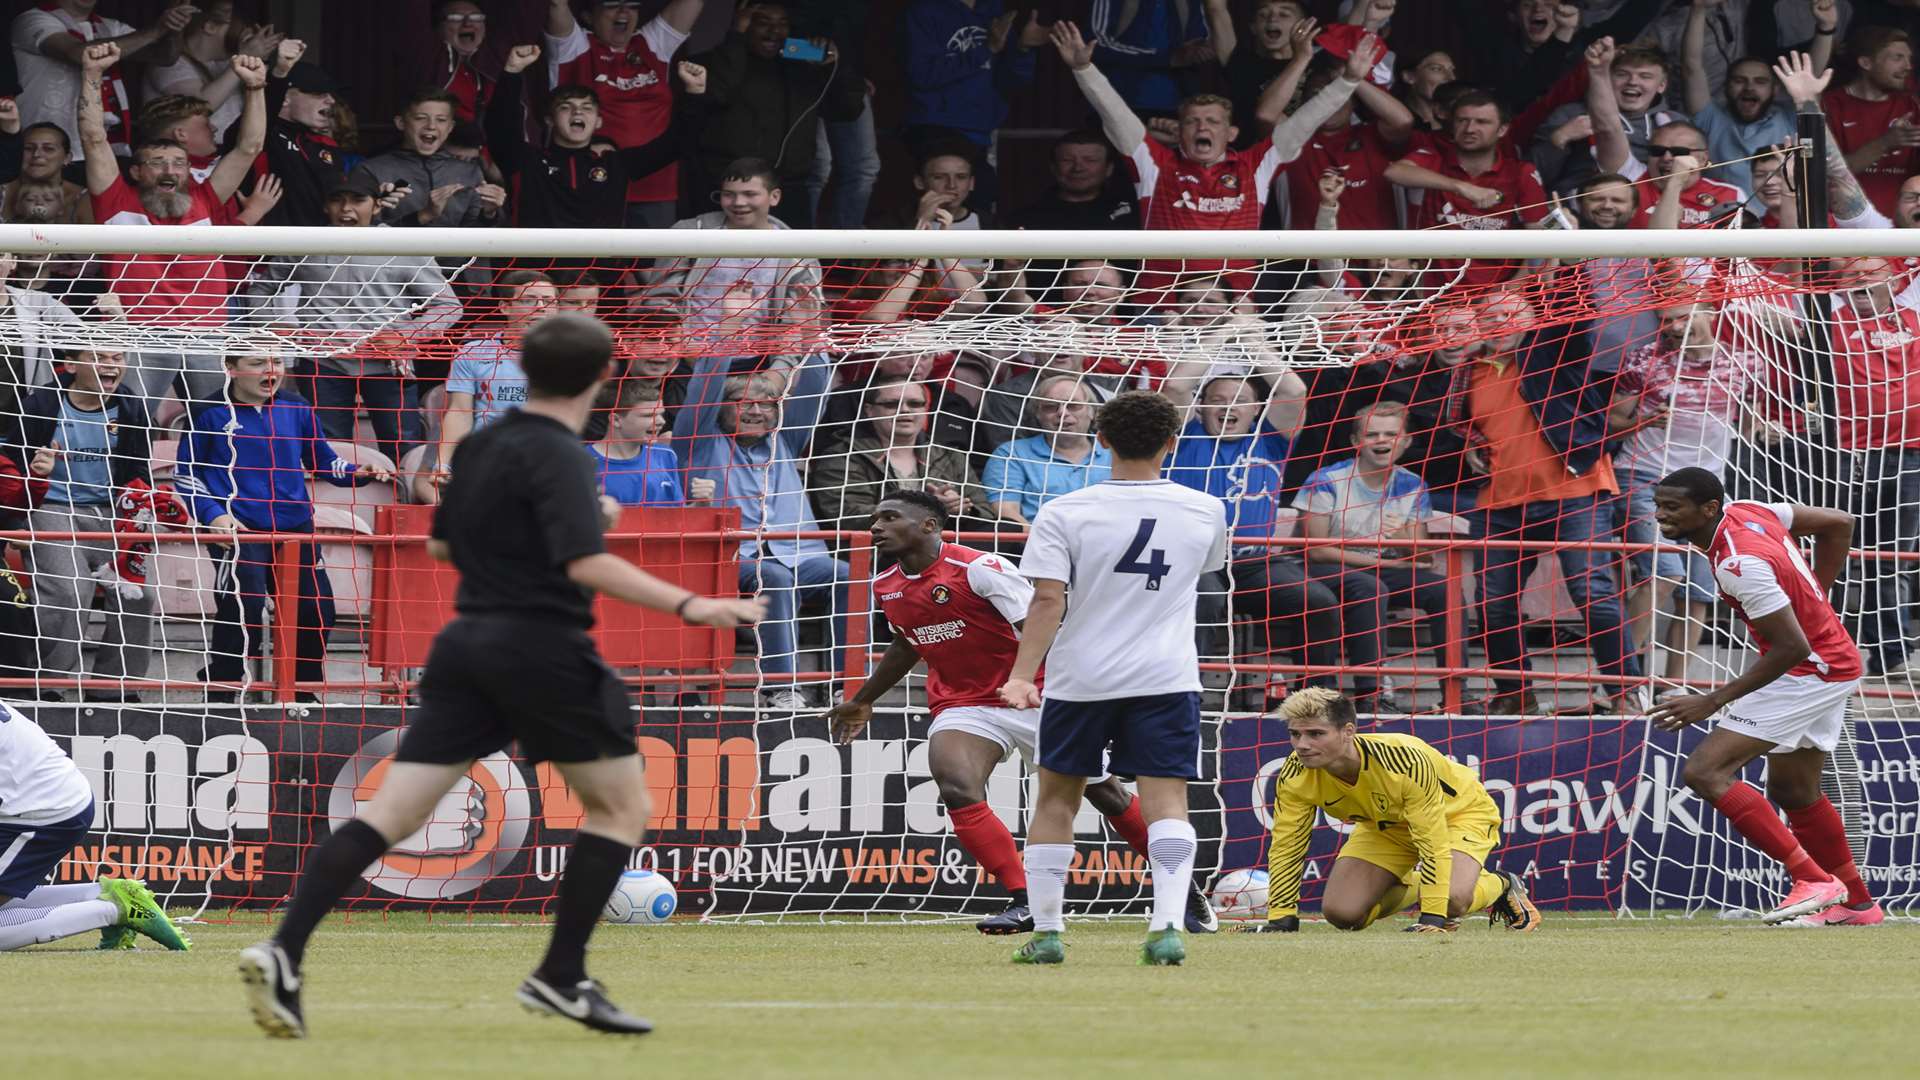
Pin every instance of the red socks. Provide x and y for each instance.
(1821, 833)
(1755, 818)
(1131, 826)
(986, 838)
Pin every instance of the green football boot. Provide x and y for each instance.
(142, 913)
(1163, 948)
(1044, 947)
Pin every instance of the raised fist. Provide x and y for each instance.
(520, 58)
(251, 70)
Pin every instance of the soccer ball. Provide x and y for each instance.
(1241, 894)
(642, 896)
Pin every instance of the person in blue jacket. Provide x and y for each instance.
(243, 468)
(963, 58)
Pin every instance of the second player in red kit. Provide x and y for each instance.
(960, 610)
(1790, 704)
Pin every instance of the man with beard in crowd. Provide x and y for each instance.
(163, 289)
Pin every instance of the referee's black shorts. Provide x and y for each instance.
(495, 680)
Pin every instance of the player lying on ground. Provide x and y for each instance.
(1790, 704)
(960, 610)
(523, 520)
(46, 808)
(1422, 823)
(1124, 673)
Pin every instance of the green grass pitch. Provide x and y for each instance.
(405, 997)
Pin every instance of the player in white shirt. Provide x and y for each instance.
(46, 808)
(1123, 674)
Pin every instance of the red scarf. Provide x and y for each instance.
(113, 88)
(137, 510)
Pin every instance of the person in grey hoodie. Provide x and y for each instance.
(436, 187)
(365, 314)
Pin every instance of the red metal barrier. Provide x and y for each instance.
(696, 548)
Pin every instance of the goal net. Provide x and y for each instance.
(1436, 451)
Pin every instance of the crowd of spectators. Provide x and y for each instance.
(1501, 415)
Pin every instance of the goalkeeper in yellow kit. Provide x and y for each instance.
(1421, 823)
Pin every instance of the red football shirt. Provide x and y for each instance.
(1876, 365)
(1359, 154)
(1523, 201)
(178, 289)
(635, 91)
(1760, 570)
(1698, 201)
(1856, 122)
(959, 617)
(1176, 193)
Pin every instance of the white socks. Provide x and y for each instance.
(1170, 848)
(1047, 884)
(21, 926)
(56, 895)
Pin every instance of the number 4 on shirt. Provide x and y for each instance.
(1155, 568)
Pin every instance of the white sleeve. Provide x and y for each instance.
(1008, 592)
(33, 27)
(1870, 218)
(1047, 555)
(1217, 554)
(1750, 582)
(564, 50)
(1783, 511)
(662, 38)
(1634, 169)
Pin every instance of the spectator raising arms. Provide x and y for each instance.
(1876, 115)
(577, 179)
(162, 289)
(1203, 183)
(625, 63)
(301, 148)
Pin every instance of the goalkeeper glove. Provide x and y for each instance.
(1433, 924)
(1285, 924)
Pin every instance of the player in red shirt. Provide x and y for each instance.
(1204, 183)
(960, 610)
(1791, 702)
(1874, 115)
(625, 63)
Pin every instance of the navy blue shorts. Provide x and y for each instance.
(28, 853)
(1156, 735)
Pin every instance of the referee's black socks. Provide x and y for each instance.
(594, 867)
(329, 873)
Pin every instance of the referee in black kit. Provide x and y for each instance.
(522, 519)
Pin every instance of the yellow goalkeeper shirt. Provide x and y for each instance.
(1406, 789)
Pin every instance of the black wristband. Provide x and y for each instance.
(679, 609)
(1817, 32)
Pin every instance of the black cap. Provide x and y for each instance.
(312, 79)
(362, 186)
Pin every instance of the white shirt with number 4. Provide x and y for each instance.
(1131, 553)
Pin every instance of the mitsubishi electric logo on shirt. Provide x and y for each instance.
(1209, 204)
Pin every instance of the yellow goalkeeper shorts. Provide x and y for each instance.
(1475, 835)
